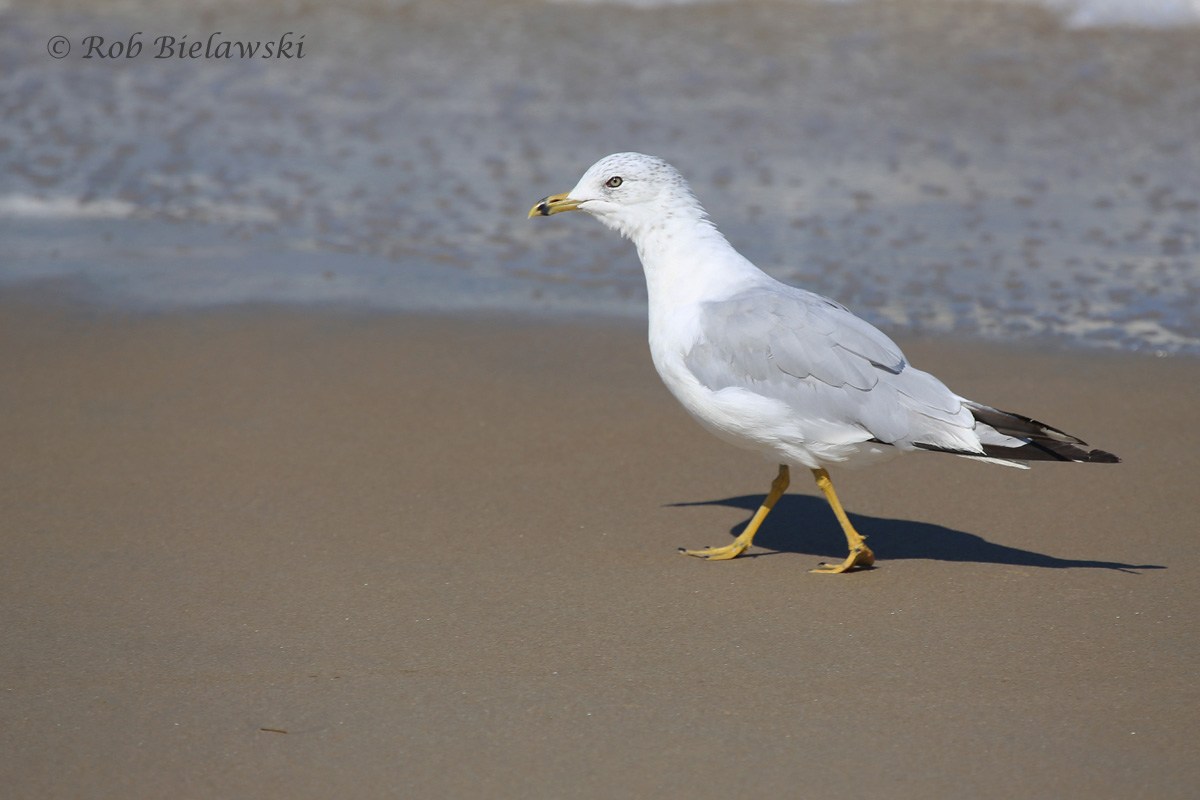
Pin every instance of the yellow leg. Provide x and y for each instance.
(860, 554)
(735, 548)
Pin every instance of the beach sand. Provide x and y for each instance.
(321, 553)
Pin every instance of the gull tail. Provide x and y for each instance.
(1011, 440)
(1036, 441)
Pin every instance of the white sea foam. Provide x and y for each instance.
(1076, 13)
(1140, 13)
(63, 207)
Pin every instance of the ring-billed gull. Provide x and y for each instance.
(779, 370)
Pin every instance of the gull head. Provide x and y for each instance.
(630, 193)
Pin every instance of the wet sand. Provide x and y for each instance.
(299, 553)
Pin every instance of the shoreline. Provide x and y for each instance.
(73, 297)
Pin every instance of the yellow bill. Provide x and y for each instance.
(552, 205)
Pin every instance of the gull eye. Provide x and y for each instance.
(613, 182)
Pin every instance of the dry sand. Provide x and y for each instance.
(286, 553)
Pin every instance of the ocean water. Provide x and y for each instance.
(1011, 171)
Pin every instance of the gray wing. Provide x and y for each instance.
(841, 375)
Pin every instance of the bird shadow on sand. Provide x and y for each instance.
(805, 524)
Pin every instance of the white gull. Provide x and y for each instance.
(780, 370)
